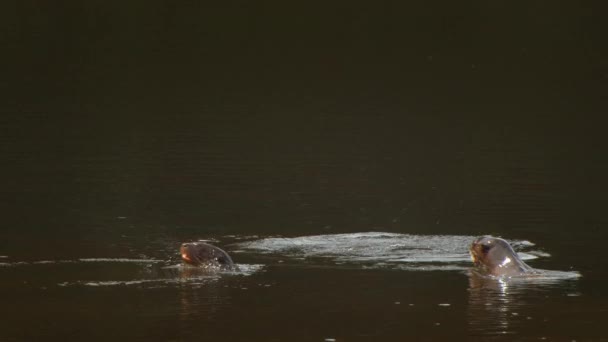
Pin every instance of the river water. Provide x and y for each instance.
(344, 155)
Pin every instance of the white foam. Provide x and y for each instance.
(132, 282)
(198, 278)
(11, 264)
(247, 269)
(373, 246)
(379, 249)
(42, 262)
(242, 269)
(547, 276)
(84, 260)
(539, 277)
(431, 267)
(529, 256)
(143, 261)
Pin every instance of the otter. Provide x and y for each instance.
(496, 257)
(206, 255)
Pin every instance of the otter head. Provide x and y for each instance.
(495, 256)
(203, 254)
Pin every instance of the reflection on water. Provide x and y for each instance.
(200, 300)
(501, 306)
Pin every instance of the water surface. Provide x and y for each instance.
(325, 280)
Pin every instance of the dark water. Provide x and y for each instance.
(126, 129)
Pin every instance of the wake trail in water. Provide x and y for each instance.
(146, 273)
(84, 260)
(379, 250)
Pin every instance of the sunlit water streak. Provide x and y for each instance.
(157, 273)
(84, 260)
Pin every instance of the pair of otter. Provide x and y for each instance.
(491, 255)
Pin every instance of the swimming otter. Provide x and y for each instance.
(206, 255)
(496, 257)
